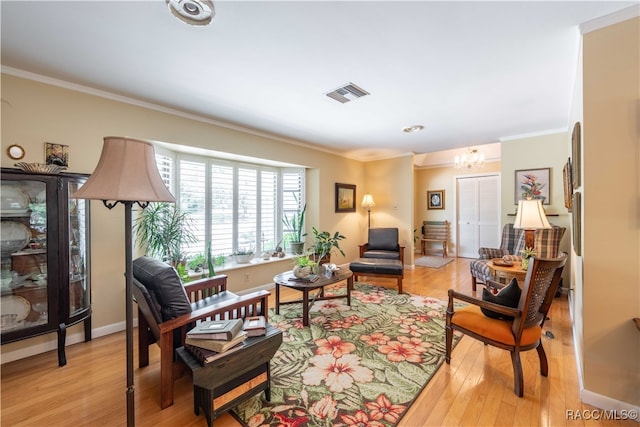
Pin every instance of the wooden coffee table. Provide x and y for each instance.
(504, 274)
(306, 287)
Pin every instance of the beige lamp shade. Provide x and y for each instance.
(531, 216)
(126, 171)
(367, 201)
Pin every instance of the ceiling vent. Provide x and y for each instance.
(347, 93)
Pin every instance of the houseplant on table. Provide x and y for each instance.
(324, 243)
(304, 265)
(296, 225)
(162, 229)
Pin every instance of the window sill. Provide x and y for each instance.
(231, 265)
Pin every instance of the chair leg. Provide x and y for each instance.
(473, 283)
(518, 387)
(544, 366)
(449, 342)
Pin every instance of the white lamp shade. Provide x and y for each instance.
(367, 201)
(126, 171)
(531, 215)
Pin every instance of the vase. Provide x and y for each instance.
(525, 263)
(302, 272)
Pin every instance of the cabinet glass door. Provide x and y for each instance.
(79, 299)
(24, 299)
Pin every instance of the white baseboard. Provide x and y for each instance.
(52, 344)
(613, 409)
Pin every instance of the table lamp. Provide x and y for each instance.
(367, 202)
(530, 217)
(127, 174)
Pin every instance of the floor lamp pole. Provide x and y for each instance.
(369, 213)
(131, 419)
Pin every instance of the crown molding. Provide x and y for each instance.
(611, 19)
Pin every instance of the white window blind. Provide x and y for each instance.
(221, 209)
(192, 200)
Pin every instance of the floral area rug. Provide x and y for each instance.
(358, 365)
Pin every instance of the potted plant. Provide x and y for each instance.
(243, 256)
(324, 244)
(527, 254)
(162, 229)
(304, 265)
(296, 225)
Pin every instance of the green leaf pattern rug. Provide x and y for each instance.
(353, 366)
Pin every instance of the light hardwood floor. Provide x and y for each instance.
(475, 390)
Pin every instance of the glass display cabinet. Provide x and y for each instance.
(45, 248)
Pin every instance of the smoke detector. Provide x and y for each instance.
(192, 12)
(347, 92)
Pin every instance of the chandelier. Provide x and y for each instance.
(471, 160)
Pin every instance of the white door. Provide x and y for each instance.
(478, 214)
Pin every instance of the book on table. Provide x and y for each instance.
(216, 329)
(206, 356)
(255, 326)
(217, 345)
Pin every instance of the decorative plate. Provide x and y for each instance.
(501, 262)
(15, 304)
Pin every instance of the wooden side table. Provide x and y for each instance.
(504, 274)
(227, 381)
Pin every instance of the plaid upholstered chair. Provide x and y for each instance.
(547, 245)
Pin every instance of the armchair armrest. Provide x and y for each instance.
(489, 253)
(508, 311)
(363, 249)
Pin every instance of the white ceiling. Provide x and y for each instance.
(472, 73)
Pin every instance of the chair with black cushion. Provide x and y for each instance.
(383, 243)
(167, 309)
(514, 325)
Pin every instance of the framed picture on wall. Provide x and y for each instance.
(532, 184)
(568, 185)
(56, 154)
(576, 155)
(435, 199)
(345, 197)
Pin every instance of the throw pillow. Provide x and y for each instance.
(509, 296)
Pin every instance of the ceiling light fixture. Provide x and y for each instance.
(192, 12)
(469, 161)
(412, 129)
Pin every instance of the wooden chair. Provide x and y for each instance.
(522, 333)
(167, 310)
(382, 244)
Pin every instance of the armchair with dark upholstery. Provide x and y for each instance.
(167, 309)
(383, 244)
(518, 329)
(546, 245)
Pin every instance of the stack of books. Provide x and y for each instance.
(212, 339)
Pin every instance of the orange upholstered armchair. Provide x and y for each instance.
(513, 329)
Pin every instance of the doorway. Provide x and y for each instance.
(477, 213)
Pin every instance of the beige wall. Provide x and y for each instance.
(611, 220)
(442, 178)
(34, 113)
(545, 151)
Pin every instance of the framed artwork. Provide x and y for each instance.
(568, 185)
(532, 184)
(435, 199)
(576, 155)
(56, 154)
(345, 197)
(577, 222)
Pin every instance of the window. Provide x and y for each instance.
(236, 206)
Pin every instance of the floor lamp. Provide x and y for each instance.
(367, 202)
(530, 217)
(127, 174)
